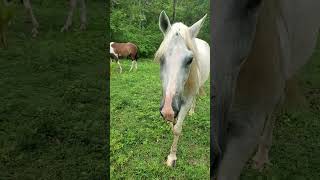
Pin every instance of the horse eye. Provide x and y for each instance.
(189, 60)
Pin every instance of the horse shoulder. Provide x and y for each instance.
(115, 47)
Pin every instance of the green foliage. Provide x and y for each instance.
(52, 110)
(137, 21)
(6, 13)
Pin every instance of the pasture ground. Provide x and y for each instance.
(296, 143)
(52, 94)
(140, 139)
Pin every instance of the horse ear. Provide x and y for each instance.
(164, 22)
(195, 28)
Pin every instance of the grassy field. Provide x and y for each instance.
(53, 89)
(296, 143)
(141, 139)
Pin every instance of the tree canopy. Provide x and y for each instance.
(137, 20)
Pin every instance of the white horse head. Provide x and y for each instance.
(178, 57)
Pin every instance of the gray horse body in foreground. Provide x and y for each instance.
(259, 45)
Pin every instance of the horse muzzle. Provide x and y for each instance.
(170, 107)
(169, 115)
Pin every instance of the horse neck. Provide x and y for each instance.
(261, 76)
(193, 81)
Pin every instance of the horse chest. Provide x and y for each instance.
(261, 76)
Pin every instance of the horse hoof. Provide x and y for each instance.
(34, 32)
(260, 163)
(171, 162)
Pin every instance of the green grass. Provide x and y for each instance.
(53, 88)
(141, 139)
(296, 143)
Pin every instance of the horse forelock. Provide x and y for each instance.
(182, 30)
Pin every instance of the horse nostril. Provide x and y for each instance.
(176, 113)
(176, 110)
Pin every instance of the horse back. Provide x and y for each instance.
(125, 49)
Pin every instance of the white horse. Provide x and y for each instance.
(259, 46)
(68, 23)
(184, 68)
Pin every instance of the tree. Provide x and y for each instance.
(174, 10)
(137, 21)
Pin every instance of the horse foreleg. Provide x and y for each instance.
(119, 66)
(35, 23)
(191, 111)
(261, 158)
(176, 129)
(136, 64)
(131, 66)
(202, 92)
(4, 39)
(68, 23)
(1, 39)
(242, 139)
(83, 15)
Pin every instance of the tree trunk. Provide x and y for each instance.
(174, 10)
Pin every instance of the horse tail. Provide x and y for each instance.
(137, 56)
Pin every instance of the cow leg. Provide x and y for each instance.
(243, 137)
(132, 63)
(177, 129)
(68, 23)
(119, 66)
(35, 23)
(83, 15)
